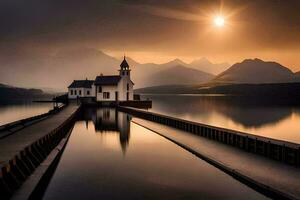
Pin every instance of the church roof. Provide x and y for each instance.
(124, 64)
(107, 80)
(81, 84)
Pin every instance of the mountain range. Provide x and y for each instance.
(241, 78)
(205, 65)
(177, 74)
(14, 93)
(265, 91)
(173, 72)
(59, 69)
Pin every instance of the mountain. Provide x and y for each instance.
(172, 72)
(205, 65)
(262, 90)
(172, 63)
(202, 64)
(55, 71)
(255, 71)
(4, 86)
(178, 74)
(13, 93)
(297, 76)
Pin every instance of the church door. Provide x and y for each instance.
(117, 96)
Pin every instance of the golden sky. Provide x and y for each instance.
(155, 31)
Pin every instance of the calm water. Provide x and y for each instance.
(21, 110)
(109, 157)
(279, 119)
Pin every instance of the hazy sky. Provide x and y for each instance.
(155, 31)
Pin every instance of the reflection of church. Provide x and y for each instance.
(109, 119)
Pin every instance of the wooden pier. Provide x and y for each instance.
(267, 165)
(10, 128)
(22, 152)
(283, 151)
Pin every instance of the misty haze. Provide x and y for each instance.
(150, 99)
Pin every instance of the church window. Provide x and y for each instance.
(75, 92)
(99, 89)
(71, 92)
(88, 92)
(106, 95)
(80, 92)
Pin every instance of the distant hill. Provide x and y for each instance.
(172, 72)
(263, 90)
(4, 86)
(178, 75)
(57, 70)
(205, 65)
(168, 89)
(172, 63)
(14, 93)
(53, 73)
(297, 76)
(255, 71)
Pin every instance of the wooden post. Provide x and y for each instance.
(283, 153)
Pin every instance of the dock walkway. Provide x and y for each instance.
(269, 174)
(11, 128)
(13, 144)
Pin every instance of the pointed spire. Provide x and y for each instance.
(124, 64)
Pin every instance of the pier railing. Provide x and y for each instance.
(15, 171)
(10, 128)
(283, 151)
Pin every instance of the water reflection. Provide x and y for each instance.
(16, 110)
(108, 120)
(93, 166)
(277, 118)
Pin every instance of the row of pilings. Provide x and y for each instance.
(18, 169)
(275, 149)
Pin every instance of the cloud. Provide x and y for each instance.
(169, 13)
(175, 28)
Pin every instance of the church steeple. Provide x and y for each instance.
(125, 69)
(124, 65)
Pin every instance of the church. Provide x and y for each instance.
(113, 88)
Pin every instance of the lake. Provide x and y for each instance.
(274, 118)
(110, 157)
(14, 111)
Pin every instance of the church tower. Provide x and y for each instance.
(124, 70)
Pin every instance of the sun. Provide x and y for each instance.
(219, 21)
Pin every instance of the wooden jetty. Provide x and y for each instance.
(10, 128)
(283, 151)
(267, 165)
(22, 152)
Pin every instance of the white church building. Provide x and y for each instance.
(105, 88)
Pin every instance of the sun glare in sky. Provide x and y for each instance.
(219, 21)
